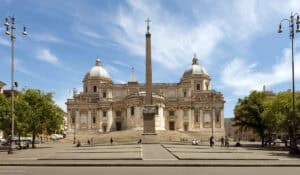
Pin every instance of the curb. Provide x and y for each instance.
(146, 165)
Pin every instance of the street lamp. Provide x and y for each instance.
(10, 21)
(74, 118)
(292, 124)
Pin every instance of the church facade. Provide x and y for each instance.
(189, 105)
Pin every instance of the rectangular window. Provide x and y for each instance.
(184, 94)
(104, 94)
(198, 87)
(95, 88)
(196, 115)
(132, 110)
(118, 113)
(73, 119)
(171, 113)
(218, 116)
(104, 113)
(94, 119)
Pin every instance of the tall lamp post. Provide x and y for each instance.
(74, 136)
(10, 29)
(292, 121)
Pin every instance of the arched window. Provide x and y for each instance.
(95, 88)
(198, 87)
(218, 116)
(132, 110)
(94, 119)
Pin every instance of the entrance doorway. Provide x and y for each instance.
(104, 128)
(171, 126)
(118, 126)
(186, 127)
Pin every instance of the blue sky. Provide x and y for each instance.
(236, 41)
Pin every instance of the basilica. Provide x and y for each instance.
(189, 105)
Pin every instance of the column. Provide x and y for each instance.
(162, 118)
(99, 116)
(77, 122)
(180, 119)
(191, 121)
(213, 120)
(89, 117)
(69, 120)
(222, 118)
(109, 120)
(201, 118)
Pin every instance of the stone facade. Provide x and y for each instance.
(189, 105)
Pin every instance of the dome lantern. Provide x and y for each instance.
(98, 70)
(195, 68)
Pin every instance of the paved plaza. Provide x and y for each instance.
(167, 154)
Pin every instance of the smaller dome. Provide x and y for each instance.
(195, 68)
(98, 70)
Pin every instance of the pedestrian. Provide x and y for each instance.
(111, 141)
(140, 141)
(222, 141)
(226, 142)
(211, 141)
(89, 142)
(78, 143)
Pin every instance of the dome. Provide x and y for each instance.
(98, 70)
(195, 68)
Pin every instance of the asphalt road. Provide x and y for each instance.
(148, 170)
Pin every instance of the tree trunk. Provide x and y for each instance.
(262, 140)
(19, 140)
(33, 140)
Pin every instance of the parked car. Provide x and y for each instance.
(56, 136)
(3, 141)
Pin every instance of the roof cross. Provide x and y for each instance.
(148, 21)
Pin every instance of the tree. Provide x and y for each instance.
(248, 113)
(43, 114)
(280, 113)
(5, 115)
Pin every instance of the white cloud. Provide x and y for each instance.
(90, 33)
(174, 41)
(46, 37)
(46, 55)
(4, 42)
(242, 77)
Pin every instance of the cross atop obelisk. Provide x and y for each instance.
(148, 26)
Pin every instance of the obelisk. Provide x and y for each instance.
(149, 109)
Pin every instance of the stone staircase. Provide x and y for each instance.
(134, 136)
